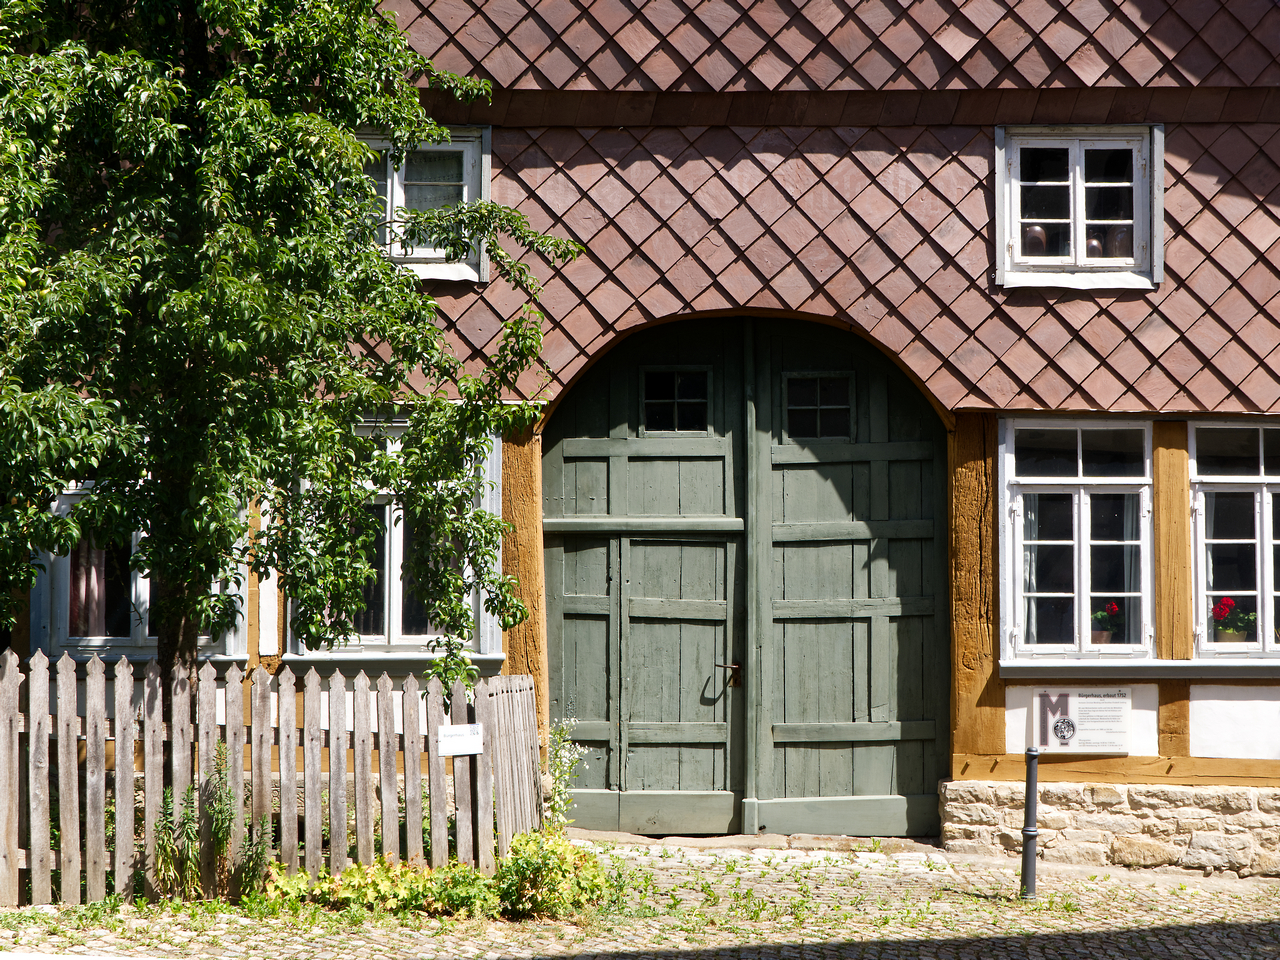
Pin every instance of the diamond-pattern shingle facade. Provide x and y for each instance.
(713, 46)
(889, 229)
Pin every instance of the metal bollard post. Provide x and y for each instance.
(1029, 831)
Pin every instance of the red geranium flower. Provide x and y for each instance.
(1222, 609)
(1113, 608)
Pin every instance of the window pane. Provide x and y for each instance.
(1233, 619)
(1046, 202)
(1044, 453)
(434, 166)
(1049, 568)
(413, 613)
(1113, 241)
(1115, 569)
(802, 423)
(1051, 620)
(1123, 626)
(371, 621)
(802, 392)
(1271, 452)
(691, 415)
(1231, 566)
(431, 196)
(660, 385)
(692, 385)
(1227, 451)
(101, 590)
(1115, 517)
(834, 391)
(1044, 163)
(834, 422)
(660, 416)
(1112, 453)
(1108, 203)
(1112, 165)
(1047, 516)
(1228, 516)
(376, 170)
(1046, 240)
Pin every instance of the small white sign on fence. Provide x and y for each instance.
(461, 740)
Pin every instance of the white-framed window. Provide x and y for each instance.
(1235, 483)
(393, 623)
(91, 601)
(439, 175)
(1076, 537)
(1080, 207)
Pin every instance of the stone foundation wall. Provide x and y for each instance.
(1212, 829)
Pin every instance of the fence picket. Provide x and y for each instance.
(10, 804)
(235, 758)
(435, 776)
(39, 855)
(362, 747)
(152, 771)
(388, 787)
(287, 710)
(463, 805)
(68, 781)
(337, 773)
(207, 732)
(412, 769)
(126, 734)
(501, 765)
(180, 738)
(484, 781)
(312, 742)
(95, 780)
(260, 751)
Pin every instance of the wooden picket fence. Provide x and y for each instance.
(501, 785)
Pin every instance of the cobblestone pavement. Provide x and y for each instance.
(895, 900)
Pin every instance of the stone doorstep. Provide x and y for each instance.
(764, 841)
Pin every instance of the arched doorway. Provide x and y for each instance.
(746, 553)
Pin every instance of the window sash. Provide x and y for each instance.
(1076, 191)
(391, 184)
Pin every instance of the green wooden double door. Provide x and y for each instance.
(745, 551)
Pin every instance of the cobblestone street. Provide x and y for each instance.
(892, 900)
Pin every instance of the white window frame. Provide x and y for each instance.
(1144, 271)
(474, 143)
(1012, 489)
(1266, 499)
(486, 638)
(51, 609)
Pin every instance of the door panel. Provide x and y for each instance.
(657, 567)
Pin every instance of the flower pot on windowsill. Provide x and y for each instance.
(1229, 636)
(1101, 636)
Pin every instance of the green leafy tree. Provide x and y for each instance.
(197, 319)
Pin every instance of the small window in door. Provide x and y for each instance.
(818, 408)
(675, 401)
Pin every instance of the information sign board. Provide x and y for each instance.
(1082, 719)
(461, 739)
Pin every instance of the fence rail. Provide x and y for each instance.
(370, 740)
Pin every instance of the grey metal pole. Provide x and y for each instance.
(1029, 831)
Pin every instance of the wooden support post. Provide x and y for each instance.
(526, 644)
(977, 699)
(1174, 576)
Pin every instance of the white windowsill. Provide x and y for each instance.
(1145, 668)
(1078, 281)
